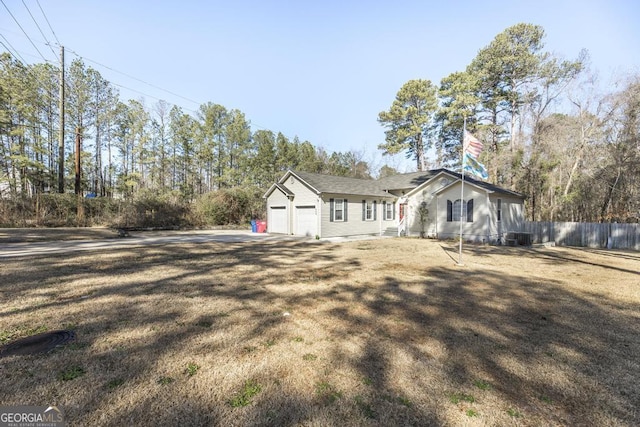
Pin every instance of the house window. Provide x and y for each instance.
(338, 210)
(499, 210)
(389, 211)
(453, 210)
(368, 210)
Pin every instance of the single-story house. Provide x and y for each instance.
(315, 205)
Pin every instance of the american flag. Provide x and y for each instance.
(472, 145)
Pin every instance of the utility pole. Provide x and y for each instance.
(61, 132)
(77, 158)
(78, 186)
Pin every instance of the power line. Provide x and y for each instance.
(19, 57)
(17, 54)
(38, 26)
(256, 125)
(48, 23)
(25, 33)
(135, 78)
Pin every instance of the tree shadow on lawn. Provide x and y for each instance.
(543, 349)
(559, 357)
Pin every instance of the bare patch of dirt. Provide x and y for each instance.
(381, 332)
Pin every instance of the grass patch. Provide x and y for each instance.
(514, 413)
(404, 401)
(115, 383)
(71, 373)
(365, 408)
(77, 345)
(21, 332)
(249, 348)
(398, 399)
(298, 339)
(243, 398)
(309, 356)
(327, 392)
(270, 343)
(191, 369)
(165, 380)
(461, 397)
(545, 399)
(472, 413)
(482, 385)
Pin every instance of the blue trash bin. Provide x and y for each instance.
(254, 226)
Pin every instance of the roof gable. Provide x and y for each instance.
(280, 187)
(489, 188)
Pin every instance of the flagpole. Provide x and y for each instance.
(464, 131)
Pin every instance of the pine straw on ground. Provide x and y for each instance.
(381, 332)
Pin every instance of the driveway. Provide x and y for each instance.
(8, 250)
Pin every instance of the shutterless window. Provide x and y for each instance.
(389, 211)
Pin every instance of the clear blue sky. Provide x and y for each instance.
(320, 70)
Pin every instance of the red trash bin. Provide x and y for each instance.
(262, 226)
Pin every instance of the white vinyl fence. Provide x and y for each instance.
(586, 234)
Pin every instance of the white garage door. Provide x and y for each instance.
(277, 221)
(306, 221)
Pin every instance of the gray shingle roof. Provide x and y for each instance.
(488, 186)
(408, 180)
(342, 185)
(378, 188)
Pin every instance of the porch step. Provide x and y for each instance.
(391, 232)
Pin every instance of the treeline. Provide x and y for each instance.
(548, 130)
(170, 165)
(129, 147)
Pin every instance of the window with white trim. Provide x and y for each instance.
(338, 210)
(368, 211)
(389, 211)
(453, 210)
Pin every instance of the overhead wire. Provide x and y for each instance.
(135, 78)
(25, 33)
(17, 54)
(39, 29)
(48, 23)
(47, 43)
(19, 57)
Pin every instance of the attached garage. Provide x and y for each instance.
(277, 219)
(306, 222)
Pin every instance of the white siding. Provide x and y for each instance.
(278, 199)
(413, 215)
(354, 225)
(304, 196)
(476, 230)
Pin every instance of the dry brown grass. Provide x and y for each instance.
(384, 332)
